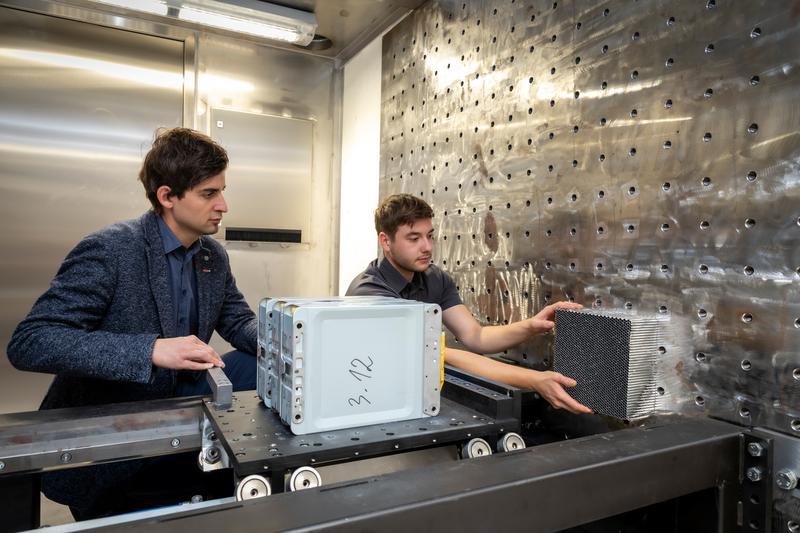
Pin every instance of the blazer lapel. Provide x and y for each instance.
(205, 284)
(159, 277)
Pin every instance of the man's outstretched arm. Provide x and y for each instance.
(493, 339)
(550, 385)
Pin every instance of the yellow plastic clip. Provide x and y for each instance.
(441, 361)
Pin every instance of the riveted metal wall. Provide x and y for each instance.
(621, 153)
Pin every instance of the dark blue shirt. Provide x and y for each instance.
(381, 278)
(182, 279)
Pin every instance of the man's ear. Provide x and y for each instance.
(384, 240)
(164, 195)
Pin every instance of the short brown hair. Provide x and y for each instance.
(180, 159)
(398, 210)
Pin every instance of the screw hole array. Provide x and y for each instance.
(618, 167)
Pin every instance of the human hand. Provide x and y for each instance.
(185, 353)
(543, 321)
(550, 386)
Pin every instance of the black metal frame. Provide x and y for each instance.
(547, 488)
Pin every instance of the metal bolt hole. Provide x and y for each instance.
(744, 412)
(749, 223)
(629, 267)
(747, 318)
(702, 313)
(700, 357)
(755, 33)
(746, 365)
(706, 181)
(668, 104)
(707, 137)
(709, 93)
(700, 401)
(752, 175)
(748, 270)
(752, 128)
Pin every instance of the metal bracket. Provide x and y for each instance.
(756, 484)
(221, 388)
(213, 455)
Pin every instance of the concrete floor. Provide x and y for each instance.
(54, 514)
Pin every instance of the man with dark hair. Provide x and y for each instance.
(128, 317)
(405, 234)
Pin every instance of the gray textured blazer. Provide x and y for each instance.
(95, 326)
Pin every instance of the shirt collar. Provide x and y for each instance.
(395, 279)
(171, 242)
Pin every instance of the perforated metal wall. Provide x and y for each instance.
(620, 153)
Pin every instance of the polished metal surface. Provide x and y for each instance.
(621, 154)
(271, 160)
(241, 76)
(65, 438)
(78, 107)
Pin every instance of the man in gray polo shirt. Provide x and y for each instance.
(405, 234)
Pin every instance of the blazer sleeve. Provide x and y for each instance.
(237, 323)
(62, 334)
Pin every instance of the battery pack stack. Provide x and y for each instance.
(612, 355)
(335, 363)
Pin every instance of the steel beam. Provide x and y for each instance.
(64, 438)
(546, 488)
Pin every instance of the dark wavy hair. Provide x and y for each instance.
(180, 159)
(398, 210)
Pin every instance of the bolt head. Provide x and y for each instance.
(754, 474)
(66, 457)
(175, 443)
(755, 449)
(2, 465)
(786, 479)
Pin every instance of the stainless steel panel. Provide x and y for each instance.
(621, 154)
(271, 164)
(78, 106)
(245, 77)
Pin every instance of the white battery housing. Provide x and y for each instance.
(327, 364)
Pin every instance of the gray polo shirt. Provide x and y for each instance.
(434, 286)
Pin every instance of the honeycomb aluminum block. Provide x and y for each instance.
(612, 355)
(356, 361)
